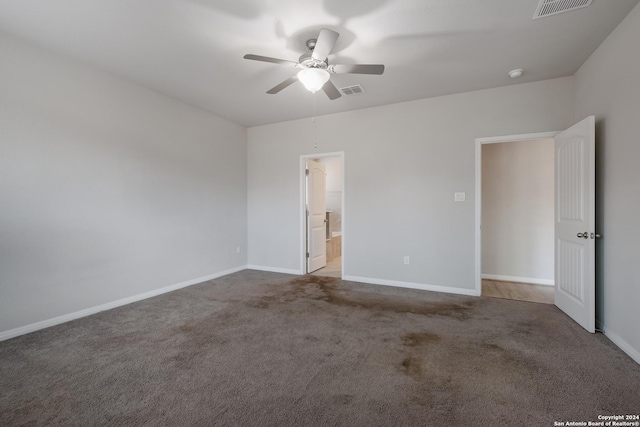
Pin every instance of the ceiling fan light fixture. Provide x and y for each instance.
(313, 78)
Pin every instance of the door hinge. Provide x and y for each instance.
(307, 254)
(306, 172)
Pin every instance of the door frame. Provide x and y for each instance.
(303, 207)
(478, 210)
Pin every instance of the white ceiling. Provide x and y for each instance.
(192, 49)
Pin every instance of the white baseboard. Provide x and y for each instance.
(409, 285)
(12, 333)
(275, 269)
(531, 280)
(624, 346)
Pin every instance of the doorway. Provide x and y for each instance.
(574, 218)
(323, 206)
(515, 205)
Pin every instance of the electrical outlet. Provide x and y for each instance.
(406, 260)
(238, 250)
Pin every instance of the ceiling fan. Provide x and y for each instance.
(315, 70)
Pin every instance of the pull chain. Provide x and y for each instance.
(313, 121)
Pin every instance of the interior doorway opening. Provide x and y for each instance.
(574, 218)
(323, 214)
(515, 180)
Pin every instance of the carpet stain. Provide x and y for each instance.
(416, 339)
(320, 280)
(262, 303)
(327, 289)
(492, 348)
(412, 367)
(342, 399)
(186, 328)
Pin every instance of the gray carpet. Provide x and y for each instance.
(257, 348)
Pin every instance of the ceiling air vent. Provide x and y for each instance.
(351, 90)
(553, 7)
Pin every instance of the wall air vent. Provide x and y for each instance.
(553, 7)
(351, 90)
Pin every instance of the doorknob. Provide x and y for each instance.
(584, 235)
(596, 236)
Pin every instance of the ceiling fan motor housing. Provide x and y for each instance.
(306, 61)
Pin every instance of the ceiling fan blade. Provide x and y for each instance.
(324, 44)
(269, 59)
(358, 68)
(331, 90)
(278, 88)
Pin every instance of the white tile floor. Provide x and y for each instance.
(333, 269)
(518, 291)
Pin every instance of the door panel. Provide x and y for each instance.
(575, 222)
(317, 215)
(571, 272)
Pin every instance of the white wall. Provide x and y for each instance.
(403, 163)
(334, 173)
(517, 211)
(608, 86)
(107, 190)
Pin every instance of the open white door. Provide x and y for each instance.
(316, 216)
(575, 222)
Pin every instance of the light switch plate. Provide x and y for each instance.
(459, 197)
